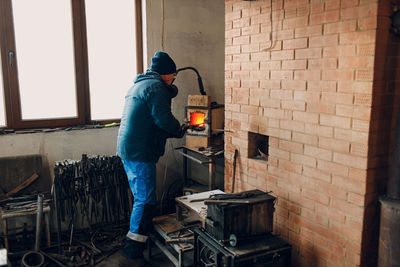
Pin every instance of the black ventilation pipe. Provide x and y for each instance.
(199, 81)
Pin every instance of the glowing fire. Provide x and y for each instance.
(197, 119)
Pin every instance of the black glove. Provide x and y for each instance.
(182, 130)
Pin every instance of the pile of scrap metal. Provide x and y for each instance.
(93, 203)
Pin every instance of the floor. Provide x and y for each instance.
(158, 259)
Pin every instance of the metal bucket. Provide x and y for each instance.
(32, 259)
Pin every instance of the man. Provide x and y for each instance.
(146, 124)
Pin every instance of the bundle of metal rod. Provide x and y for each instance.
(91, 191)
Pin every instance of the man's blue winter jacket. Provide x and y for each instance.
(147, 120)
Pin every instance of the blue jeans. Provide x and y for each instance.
(142, 181)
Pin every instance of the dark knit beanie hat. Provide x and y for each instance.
(162, 63)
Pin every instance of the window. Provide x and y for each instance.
(68, 62)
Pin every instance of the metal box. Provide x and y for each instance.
(242, 217)
(266, 251)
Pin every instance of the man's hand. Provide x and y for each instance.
(182, 130)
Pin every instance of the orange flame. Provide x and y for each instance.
(197, 119)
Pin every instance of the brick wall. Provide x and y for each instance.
(323, 93)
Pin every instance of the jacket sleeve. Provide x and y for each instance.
(159, 103)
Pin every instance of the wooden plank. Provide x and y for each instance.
(25, 184)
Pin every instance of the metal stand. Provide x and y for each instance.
(202, 157)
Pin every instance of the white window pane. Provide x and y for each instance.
(112, 55)
(2, 104)
(44, 44)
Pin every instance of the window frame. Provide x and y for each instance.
(12, 98)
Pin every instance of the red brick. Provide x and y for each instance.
(305, 117)
(367, 23)
(268, 84)
(279, 153)
(232, 33)
(339, 27)
(304, 160)
(318, 130)
(232, 83)
(274, 113)
(321, 86)
(364, 75)
(281, 75)
(232, 49)
(293, 105)
(327, 212)
(250, 84)
(366, 50)
(282, 34)
(357, 37)
(282, 55)
(259, 19)
(241, 74)
(349, 3)
(307, 96)
(240, 23)
(241, 58)
(308, 75)
(292, 125)
(363, 99)
(350, 160)
(326, 17)
(270, 65)
(250, 66)
(351, 135)
(326, 63)
(303, 10)
(332, 4)
(230, 16)
(334, 121)
(270, 103)
(308, 53)
(336, 98)
(316, 174)
(290, 12)
(241, 40)
(340, 51)
(317, 152)
(302, 202)
(355, 87)
(293, 85)
(309, 31)
(294, 64)
(260, 56)
(334, 145)
(322, 41)
(317, 7)
(253, 30)
(291, 167)
(291, 146)
(295, 43)
(329, 234)
(356, 199)
(305, 138)
(314, 195)
(337, 75)
(356, 62)
(359, 149)
(333, 168)
(347, 208)
(295, 22)
(321, 108)
(359, 12)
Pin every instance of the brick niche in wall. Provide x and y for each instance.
(325, 92)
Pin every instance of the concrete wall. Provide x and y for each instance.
(192, 33)
(194, 36)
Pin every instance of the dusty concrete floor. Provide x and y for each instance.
(158, 259)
